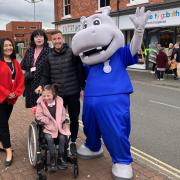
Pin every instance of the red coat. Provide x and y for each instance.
(161, 60)
(8, 86)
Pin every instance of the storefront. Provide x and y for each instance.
(163, 27)
(69, 30)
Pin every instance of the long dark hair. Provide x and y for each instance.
(40, 33)
(13, 55)
(53, 88)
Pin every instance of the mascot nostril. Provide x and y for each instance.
(106, 109)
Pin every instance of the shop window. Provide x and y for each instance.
(19, 35)
(136, 2)
(103, 3)
(67, 7)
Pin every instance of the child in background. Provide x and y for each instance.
(51, 112)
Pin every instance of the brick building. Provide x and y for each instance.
(4, 34)
(22, 30)
(163, 25)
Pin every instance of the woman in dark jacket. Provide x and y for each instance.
(32, 64)
(161, 63)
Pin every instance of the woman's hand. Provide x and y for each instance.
(11, 95)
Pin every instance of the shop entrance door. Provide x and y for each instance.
(166, 37)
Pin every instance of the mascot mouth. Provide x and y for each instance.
(97, 50)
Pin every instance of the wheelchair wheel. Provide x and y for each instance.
(33, 144)
(75, 170)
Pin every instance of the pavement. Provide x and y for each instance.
(96, 169)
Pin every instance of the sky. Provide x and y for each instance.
(21, 10)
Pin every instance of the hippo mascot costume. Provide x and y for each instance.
(106, 109)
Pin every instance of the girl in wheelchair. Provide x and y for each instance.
(51, 112)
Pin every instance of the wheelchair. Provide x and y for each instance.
(38, 151)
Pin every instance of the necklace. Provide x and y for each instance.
(11, 67)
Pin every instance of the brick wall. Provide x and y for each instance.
(88, 7)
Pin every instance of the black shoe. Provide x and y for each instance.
(73, 148)
(52, 168)
(61, 163)
(8, 163)
(2, 150)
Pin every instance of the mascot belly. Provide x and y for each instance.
(106, 108)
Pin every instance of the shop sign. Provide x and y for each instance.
(170, 17)
(167, 17)
(71, 28)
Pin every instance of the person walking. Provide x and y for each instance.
(161, 62)
(11, 87)
(32, 64)
(176, 58)
(66, 70)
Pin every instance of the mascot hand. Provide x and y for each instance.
(140, 18)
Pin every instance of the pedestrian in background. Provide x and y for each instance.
(32, 64)
(65, 70)
(11, 87)
(152, 56)
(161, 63)
(176, 57)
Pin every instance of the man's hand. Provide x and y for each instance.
(38, 90)
(140, 18)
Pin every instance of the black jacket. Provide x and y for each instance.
(32, 79)
(65, 70)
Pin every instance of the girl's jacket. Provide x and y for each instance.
(7, 85)
(52, 126)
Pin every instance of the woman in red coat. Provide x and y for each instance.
(11, 86)
(161, 62)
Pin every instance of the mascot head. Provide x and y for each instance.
(98, 40)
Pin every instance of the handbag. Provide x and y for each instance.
(172, 64)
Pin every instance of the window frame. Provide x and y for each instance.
(99, 2)
(137, 2)
(66, 5)
(20, 27)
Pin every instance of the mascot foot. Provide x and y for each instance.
(85, 153)
(122, 172)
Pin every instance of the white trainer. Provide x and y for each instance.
(122, 171)
(85, 153)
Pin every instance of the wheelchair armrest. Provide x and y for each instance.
(39, 122)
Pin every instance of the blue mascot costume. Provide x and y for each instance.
(106, 108)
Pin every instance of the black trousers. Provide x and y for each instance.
(160, 74)
(72, 103)
(5, 112)
(50, 141)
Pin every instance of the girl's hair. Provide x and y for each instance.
(13, 55)
(53, 88)
(38, 32)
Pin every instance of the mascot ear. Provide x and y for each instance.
(82, 19)
(106, 10)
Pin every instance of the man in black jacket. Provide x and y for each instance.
(64, 69)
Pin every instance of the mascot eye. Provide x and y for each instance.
(97, 22)
(85, 26)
